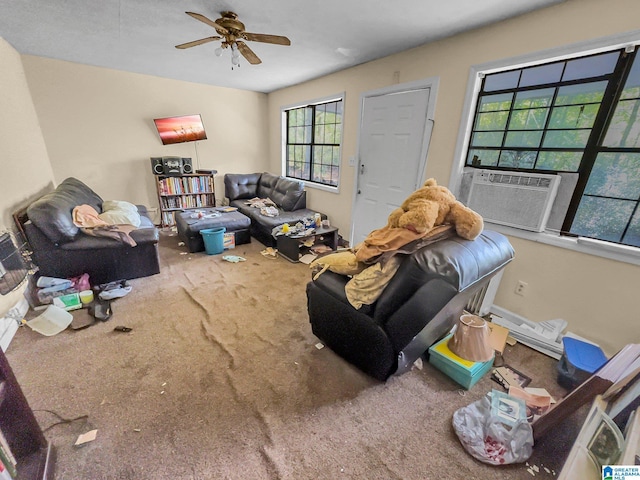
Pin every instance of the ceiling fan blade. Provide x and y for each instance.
(219, 28)
(197, 42)
(247, 53)
(261, 37)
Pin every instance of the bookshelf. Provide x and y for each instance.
(35, 456)
(183, 192)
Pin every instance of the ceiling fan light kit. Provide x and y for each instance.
(232, 33)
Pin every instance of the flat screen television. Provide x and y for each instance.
(187, 128)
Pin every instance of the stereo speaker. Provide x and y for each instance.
(156, 165)
(172, 165)
(187, 166)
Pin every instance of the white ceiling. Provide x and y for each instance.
(140, 35)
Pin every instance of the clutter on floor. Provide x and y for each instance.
(233, 258)
(465, 372)
(494, 429)
(51, 322)
(269, 252)
(70, 302)
(500, 428)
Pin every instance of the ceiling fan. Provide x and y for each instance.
(231, 32)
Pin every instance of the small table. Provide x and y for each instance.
(289, 246)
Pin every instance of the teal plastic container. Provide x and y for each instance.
(213, 240)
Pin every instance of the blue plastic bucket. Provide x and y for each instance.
(213, 240)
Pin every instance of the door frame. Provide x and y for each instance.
(432, 84)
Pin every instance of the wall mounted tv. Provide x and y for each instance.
(187, 128)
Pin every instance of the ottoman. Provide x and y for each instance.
(189, 228)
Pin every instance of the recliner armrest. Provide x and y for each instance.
(334, 284)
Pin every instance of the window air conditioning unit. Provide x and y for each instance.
(516, 199)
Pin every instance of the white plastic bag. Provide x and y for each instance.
(489, 440)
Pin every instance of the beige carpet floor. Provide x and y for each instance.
(221, 378)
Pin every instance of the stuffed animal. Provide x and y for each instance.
(344, 263)
(432, 205)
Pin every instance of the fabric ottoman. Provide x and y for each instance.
(189, 227)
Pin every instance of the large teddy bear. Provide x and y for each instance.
(432, 205)
(431, 211)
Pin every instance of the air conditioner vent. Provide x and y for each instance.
(521, 200)
(526, 180)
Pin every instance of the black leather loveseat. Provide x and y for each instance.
(61, 249)
(418, 306)
(288, 195)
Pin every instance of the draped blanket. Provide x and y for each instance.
(384, 242)
(87, 219)
(380, 251)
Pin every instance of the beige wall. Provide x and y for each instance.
(595, 295)
(98, 126)
(24, 162)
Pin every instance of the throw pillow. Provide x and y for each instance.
(118, 212)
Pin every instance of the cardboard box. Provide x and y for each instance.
(229, 240)
(464, 372)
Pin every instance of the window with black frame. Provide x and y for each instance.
(576, 115)
(314, 136)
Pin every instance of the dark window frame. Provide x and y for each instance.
(305, 158)
(593, 146)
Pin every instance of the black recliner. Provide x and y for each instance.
(418, 307)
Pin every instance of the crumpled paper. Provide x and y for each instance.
(233, 258)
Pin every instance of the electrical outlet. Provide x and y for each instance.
(521, 288)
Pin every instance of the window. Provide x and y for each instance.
(576, 115)
(313, 139)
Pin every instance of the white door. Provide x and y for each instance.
(394, 137)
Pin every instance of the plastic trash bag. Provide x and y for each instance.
(489, 440)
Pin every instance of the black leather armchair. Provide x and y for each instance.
(419, 305)
(60, 249)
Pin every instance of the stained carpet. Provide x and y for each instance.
(220, 378)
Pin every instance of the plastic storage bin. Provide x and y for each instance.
(52, 321)
(578, 362)
(213, 240)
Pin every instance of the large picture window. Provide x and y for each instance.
(313, 139)
(576, 115)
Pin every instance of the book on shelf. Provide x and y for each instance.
(617, 377)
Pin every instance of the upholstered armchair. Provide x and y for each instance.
(420, 304)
